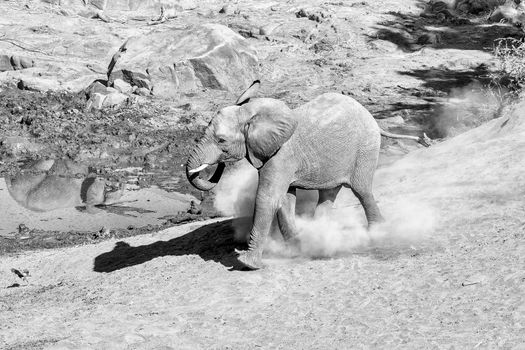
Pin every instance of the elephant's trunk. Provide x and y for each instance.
(205, 153)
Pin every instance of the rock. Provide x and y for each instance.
(134, 78)
(23, 229)
(429, 39)
(140, 81)
(322, 45)
(17, 145)
(477, 6)
(21, 62)
(245, 30)
(168, 61)
(62, 345)
(104, 232)
(15, 63)
(132, 338)
(100, 4)
(95, 87)
(195, 208)
(5, 63)
(225, 9)
(38, 84)
(268, 29)
(147, 7)
(122, 86)
(96, 101)
(142, 92)
(110, 90)
(507, 14)
(315, 14)
(115, 99)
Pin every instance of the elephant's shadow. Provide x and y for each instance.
(211, 242)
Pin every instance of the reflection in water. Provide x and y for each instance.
(52, 184)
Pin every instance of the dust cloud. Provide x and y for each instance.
(235, 196)
(466, 108)
(331, 232)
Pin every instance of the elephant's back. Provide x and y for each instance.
(336, 113)
(334, 132)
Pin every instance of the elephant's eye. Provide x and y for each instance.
(221, 140)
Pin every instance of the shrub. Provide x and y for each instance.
(510, 53)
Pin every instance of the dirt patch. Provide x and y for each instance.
(56, 125)
(131, 145)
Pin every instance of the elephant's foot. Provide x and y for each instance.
(252, 259)
(378, 221)
(290, 235)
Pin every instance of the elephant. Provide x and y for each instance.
(53, 184)
(325, 144)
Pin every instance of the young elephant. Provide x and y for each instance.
(330, 142)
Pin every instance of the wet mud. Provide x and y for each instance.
(71, 176)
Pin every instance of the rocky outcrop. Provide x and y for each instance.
(38, 84)
(170, 60)
(100, 96)
(509, 14)
(125, 5)
(14, 62)
(477, 6)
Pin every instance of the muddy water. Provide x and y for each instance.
(57, 195)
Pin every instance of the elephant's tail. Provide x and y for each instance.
(424, 140)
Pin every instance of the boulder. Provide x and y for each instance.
(508, 14)
(15, 63)
(38, 84)
(19, 62)
(115, 99)
(5, 63)
(173, 60)
(96, 101)
(142, 92)
(477, 6)
(96, 87)
(268, 28)
(122, 86)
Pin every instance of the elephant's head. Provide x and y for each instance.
(252, 128)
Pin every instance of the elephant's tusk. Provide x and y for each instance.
(196, 170)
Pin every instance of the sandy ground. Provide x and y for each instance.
(461, 287)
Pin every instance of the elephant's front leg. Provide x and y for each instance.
(286, 215)
(270, 194)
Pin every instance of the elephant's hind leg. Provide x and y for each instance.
(372, 212)
(286, 215)
(361, 185)
(326, 200)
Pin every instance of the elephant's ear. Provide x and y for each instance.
(265, 134)
(248, 93)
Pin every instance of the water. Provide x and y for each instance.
(60, 195)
